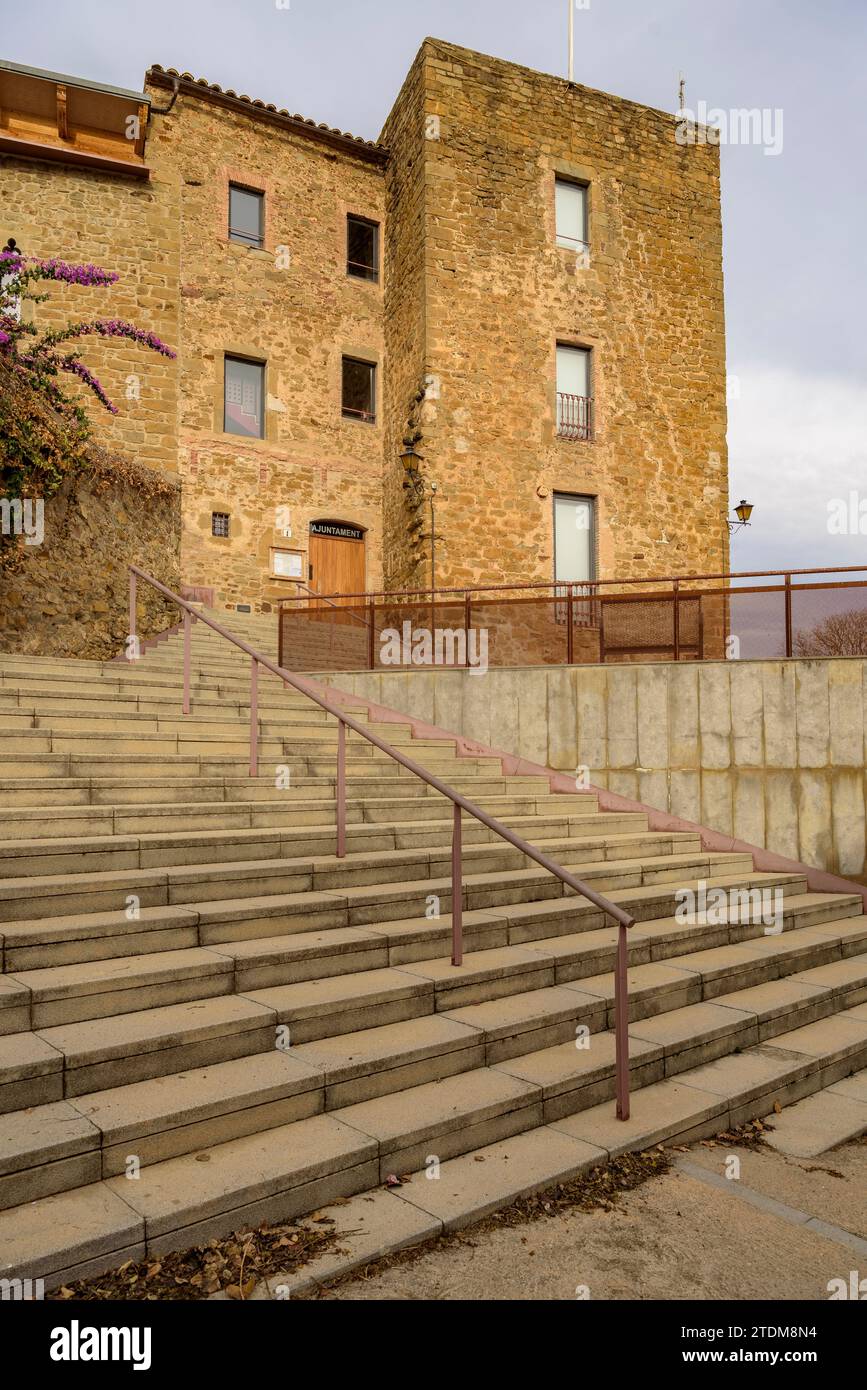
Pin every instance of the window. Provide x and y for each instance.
(574, 543)
(246, 216)
(574, 393)
(287, 564)
(570, 207)
(219, 523)
(359, 389)
(244, 394)
(362, 248)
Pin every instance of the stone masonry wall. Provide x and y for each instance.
(69, 596)
(291, 305)
(462, 325)
(499, 294)
(131, 228)
(407, 554)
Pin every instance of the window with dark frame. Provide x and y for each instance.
(244, 395)
(246, 216)
(362, 248)
(359, 390)
(219, 523)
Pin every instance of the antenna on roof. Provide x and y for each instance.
(571, 9)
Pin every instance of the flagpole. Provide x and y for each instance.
(571, 40)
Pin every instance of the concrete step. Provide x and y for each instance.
(189, 756)
(43, 677)
(127, 704)
(79, 788)
(99, 854)
(176, 1114)
(326, 1006)
(193, 984)
(68, 1143)
(115, 1051)
(698, 1104)
(379, 884)
(305, 797)
(25, 732)
(34, 823)
(263, 1177)
(835, 1115)
(293, 1168)
(272, 923)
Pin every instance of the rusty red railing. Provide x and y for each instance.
(460, 803)
(574, 416)
(671, 618)
(328, 601)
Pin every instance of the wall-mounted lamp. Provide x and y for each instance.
(410, 458)
(743, 512)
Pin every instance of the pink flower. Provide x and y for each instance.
(72, 364)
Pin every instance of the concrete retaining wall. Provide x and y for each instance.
(770, 751)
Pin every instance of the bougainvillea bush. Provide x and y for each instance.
(42, 357)
(45, 434)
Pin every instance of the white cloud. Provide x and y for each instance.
(796, 442)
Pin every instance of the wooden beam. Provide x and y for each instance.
(62, 122)
(68, 154)
(143, 111)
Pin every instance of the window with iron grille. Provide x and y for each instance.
(246, 216)
(362, 248)
(359, 390)
(570, 207)
(574, 392)
(219, 523)
(244, 391)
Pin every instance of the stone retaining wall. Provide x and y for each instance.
(69, 596)
(770, 751)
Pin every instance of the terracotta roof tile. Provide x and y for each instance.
(157, 68)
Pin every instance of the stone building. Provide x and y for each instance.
(518, 288)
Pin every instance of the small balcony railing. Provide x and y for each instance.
(352, 413)
(574, 416)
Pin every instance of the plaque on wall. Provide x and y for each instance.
(287, 564)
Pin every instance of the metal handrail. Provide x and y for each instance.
(291, 598)
(460, 803)
(593, 584)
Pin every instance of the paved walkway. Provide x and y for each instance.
(757, 1239)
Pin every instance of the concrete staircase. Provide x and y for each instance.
(207, 1020)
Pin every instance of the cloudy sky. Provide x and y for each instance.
(795, 221)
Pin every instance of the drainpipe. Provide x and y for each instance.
(164, 110)
(433, 491)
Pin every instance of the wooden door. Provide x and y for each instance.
(336, 566)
